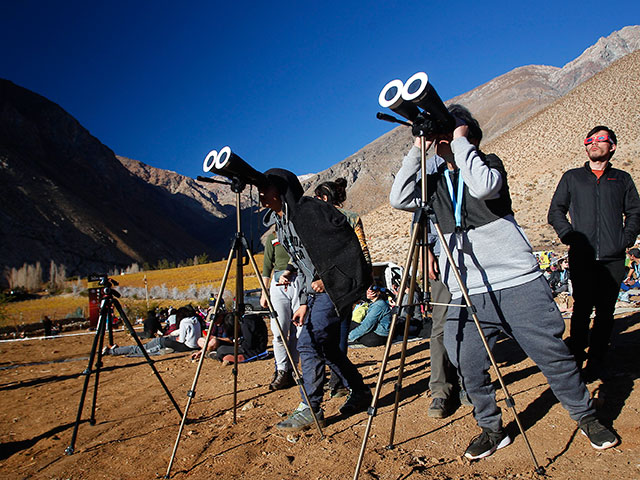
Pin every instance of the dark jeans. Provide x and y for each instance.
(319, 345)
(595, 285)
(153, 347)
(345, 328)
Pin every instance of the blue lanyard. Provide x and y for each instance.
(457, 202)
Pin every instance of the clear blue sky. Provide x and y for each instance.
(285, 84)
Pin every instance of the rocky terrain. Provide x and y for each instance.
(538, 150)
(70, 199)
(500, 105)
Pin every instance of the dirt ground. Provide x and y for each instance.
(136, 424)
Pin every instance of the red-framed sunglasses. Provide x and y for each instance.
(599, 138)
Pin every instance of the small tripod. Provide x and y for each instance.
(108, 302)
(419, 237)
(241, 252)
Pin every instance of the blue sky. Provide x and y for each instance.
(286, 84)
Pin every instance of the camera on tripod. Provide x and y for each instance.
(407, 99)
(230, 165)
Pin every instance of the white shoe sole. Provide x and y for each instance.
(604, 446)
(503, 443)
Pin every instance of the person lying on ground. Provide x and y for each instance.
(187, 338)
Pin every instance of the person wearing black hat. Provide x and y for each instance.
(333, 276)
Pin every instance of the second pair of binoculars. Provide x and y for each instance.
(230, 165)
(408, 98)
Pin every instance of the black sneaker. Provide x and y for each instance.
(339, 391)
(283, 380)
(486, 443)
(356, 402)
(438, 408)
(600, 436)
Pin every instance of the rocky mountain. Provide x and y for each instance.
(537, 151)
(67, 198)
(499, 105)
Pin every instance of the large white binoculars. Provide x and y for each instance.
(405, 98)
(230, 165)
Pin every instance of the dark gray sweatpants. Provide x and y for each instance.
(528, 314)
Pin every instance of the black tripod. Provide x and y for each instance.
(108, 302)
(242, 253)
(419, 238)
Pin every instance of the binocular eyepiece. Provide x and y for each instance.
(405, 98)
(230, 165)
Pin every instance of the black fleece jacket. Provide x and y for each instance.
(329, 240)
(596, 207)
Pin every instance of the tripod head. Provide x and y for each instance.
(107, 283)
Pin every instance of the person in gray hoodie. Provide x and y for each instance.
(333, 274)
(469, 194)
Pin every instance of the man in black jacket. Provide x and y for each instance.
(604, 207)
(333, 274)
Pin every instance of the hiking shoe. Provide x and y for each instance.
(301, 419)
(486, 443)
(337, 392)
(464, 399)
(284, 379)
(356, 402)
(600, 436)
(438, 408)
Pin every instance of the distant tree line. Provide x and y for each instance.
(31, 277)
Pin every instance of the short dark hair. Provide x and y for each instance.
(464, 114)
(611, 133)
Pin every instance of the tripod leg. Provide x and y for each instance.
(92, 419)
(192, 392)
(133, 333)
(294, 368)
(508, 398)
(87, 373)
(372, 409)
(403, 355)
(110, 328)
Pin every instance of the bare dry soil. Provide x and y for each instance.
(136, 424)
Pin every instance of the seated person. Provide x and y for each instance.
(151, 325)
(218, 336)
(559, 278)
(632, 279)
(374, 329)
(251, 343)
(187, 338)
